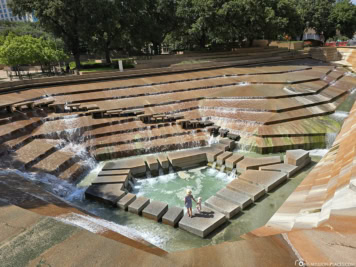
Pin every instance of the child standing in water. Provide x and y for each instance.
(188, 202)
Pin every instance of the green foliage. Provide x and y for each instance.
(26, 50)
(344, 14)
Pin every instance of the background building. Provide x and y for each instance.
(6, 14)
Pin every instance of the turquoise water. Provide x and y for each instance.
(171, 189)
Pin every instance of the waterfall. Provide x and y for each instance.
(232, 175)
(329, 139)
(339, 116)
(160, 172)
(222, 169)
(148, 174)
(213, 140)
(170, 169)
(214, 165)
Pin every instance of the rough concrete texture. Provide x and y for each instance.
(173, 216)
(227, 208)
(251, 190)
(202, 223)
(126, 201)
(138, 205)
(212, 154)
(107, 193)
(235, 197)
(296, 157)
(230, 162)
(267, 179)
(155, 210)
(255, 163)
(288, 169)
(220, 160)
(120, 179)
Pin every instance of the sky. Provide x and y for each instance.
(354, 1)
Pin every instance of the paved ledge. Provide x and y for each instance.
(255, 163)
(155, 210)
(106, 193)
(202, 224)
(138, 205)
(267, 179)
(173, 216)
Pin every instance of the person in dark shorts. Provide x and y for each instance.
(188, 202)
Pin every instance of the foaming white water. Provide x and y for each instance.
(57, 186)
(329, 139)
(96, 225)
(214, 139)
(352, 74)
(339, 116)
(318, 152)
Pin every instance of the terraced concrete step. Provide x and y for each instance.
(115, 172)
(118, 179)
(137, 166)
(152, 164)
(231, 162)
(296, 157)
(173, 216)
(227, 208)
(251, 190)
(138, 205)
(288, 169)
(267, 179)
(106, 193)
(163, 161)
(229, 142)
(220, 160)
(155, 210)
(202, 224)
(126, 201)
(254, 163)
(212, 154)
(236, 197)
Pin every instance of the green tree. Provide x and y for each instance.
(27, 50)
(344, 15)
(68, 20)
(317, 15)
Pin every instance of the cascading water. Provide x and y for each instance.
(222, 168)
(233, 174)
(214, 140)
(329, 139)
(214, 165)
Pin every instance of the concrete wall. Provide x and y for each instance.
(324, 53)
(291, 45)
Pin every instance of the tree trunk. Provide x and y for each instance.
(250, 42)
(77, 60)
(107, 55)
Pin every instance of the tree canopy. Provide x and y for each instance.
(106, 25)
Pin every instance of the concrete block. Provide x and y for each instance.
(155, 210)
(202, 224)
(138, 205)
(254, 163)
(288, 169)
(212, 154)
(163, 161)
(136, 165)
(227, 208)
(126, 201)
(152, 164)
(106, 193)
(223, 147)
(296, 157)
(119, 179)
(222, 157)
(115, 172)
(173, 216)
(229, 142)
(230, 162)
(267, 179)
(235, 197)
(251, 190)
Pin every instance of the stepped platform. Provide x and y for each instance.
(288, 169)
(187, 159)
(267, 179)
(118, 179)
(163, 162)
(251, 190)
(254, 163)
(222, 157)
(109, 172)
(227, 208)
(202, 224)
(155, 210)
(124, 202)
(106, 193)
(138, 205)
(137, 166)
(212, 154)
(296, 157)
(152, 164)
(240, 199)
(231, 162)
(173, 216)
